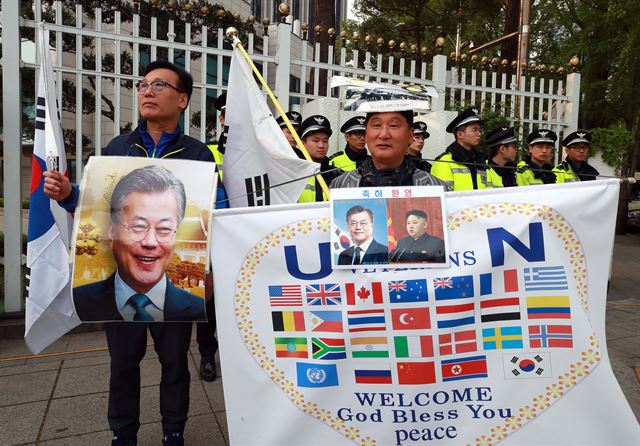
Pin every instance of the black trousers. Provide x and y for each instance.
(206, 333)
(127, 343)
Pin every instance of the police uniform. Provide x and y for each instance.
(460, 168)
(295, 119)
(420, 128)
(217, 147)
(348, 159)
(528, 171)
(570, 171)
(312, 190)
(501, 176)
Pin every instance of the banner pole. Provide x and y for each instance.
(232, 35)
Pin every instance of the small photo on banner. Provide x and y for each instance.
(457, 287)
(366, 320)
(490, 282)
(548, 307)
(373, 374)
(410, 318)
(550, 336)
(413, 346)
(323, 294)
(359, 294)
(455, 315)
(326, 321)
(328, 348)
(501, 338)
(370, 347)
(407, 291)
(291, 348)
(288, 320)
(285, 295)
(416, 372)
(545, 278)
(457, 342)
(316, 375)
(527, 365)
(464, 368)
(502, 309)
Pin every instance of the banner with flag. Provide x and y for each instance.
(48, 313)
(260, 167)
(459, 355)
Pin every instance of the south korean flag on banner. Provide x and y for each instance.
(260, 166)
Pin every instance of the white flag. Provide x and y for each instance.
(49, 313)
(258, 159)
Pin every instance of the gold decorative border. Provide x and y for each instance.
(590, 357)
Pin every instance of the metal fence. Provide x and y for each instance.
(99, 55)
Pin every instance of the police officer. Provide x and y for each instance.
(420, 135)
(461, 166)
(536, 169)
(217, 147)
(503, 154)
(355, 151)
(315, 132)
(575, 166)
(295, 119)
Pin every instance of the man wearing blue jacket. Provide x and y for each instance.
(163, 94)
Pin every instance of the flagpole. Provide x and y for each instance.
(232, 34)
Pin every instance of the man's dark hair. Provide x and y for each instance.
(416, 212)
(407, 114)
(357, 209)
(147, 180)
(185, 81)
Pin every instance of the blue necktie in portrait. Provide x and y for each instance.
(139, 302)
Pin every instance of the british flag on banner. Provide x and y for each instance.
(323, 294)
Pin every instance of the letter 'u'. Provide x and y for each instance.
(293, 267)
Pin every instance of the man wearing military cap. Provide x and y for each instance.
(503, 154)
(420, 135)
(355, 151)
(295, 118)
(575, 166)
(388, 134)
(314, 133)
(536, 169)
(217, 147)
(461, 166)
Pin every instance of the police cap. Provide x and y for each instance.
(579, 137)
(542, 136)
(355, 124)
(294, 117)
(420, 128)
(501, 136)
(315, 123)
(468, 116)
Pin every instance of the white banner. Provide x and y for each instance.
(506, 345)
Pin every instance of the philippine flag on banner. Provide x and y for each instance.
(49, 313)
(257, 154)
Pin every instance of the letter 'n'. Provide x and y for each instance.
(533, 253)
(293, 267)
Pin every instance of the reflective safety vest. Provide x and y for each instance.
(565, 174)
(218, 157)
(525, 176)
(342, 161)
(458, 176)
(494, 177)
(309, 193)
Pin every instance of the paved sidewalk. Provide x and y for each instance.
(62, 400)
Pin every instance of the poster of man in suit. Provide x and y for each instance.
(141, 240)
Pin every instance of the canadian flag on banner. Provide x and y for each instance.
(358, 294)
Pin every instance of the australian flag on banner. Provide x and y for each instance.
(49, 312)
(404, 291)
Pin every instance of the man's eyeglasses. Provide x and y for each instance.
(139, 232)
(156, 86)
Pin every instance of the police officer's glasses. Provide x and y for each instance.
(156, 86)
(139, 232)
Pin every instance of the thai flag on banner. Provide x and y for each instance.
(49, 313)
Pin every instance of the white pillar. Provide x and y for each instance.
(440, 81)
(572, 108)
(283, 64)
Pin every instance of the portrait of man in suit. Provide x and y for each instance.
(418, 246)
(146, 209)
(365, 250)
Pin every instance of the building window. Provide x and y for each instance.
(256, 10)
